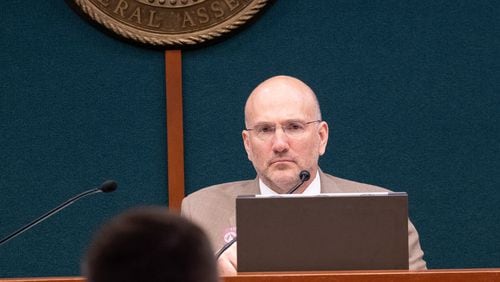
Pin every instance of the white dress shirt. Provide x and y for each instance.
(313, 189)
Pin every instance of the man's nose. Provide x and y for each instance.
(280, 141)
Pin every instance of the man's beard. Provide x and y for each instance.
(281, 182)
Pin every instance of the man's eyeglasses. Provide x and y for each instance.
(293, 129)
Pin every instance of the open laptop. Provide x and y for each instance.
(344, 231)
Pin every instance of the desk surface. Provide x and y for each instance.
(441, 275)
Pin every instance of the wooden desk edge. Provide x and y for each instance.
(492, 274)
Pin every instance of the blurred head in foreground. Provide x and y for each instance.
(150, 244)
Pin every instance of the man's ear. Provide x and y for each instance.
(246, 143)
(323, 137)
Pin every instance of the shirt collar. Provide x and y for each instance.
(313, 189)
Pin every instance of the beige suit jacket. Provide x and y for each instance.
(213, 208)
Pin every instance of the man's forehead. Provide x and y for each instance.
(282, 122)
(280, 108)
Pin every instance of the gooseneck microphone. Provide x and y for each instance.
(304, 175)
(106, 187)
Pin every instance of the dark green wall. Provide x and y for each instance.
(410, 90)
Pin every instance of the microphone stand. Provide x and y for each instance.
(107, 186)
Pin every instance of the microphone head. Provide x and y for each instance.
(108, 186)
(304, 175)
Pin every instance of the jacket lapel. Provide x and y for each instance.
(328, 184)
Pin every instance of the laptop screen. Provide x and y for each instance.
(345, 231)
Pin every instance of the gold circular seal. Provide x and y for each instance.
(171, 22)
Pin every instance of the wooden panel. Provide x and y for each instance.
(464, 275)
(455, 275)
(175, 133)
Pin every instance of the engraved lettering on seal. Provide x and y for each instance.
(171, 22)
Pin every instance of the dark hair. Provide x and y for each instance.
(150, 244)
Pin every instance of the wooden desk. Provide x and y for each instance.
(440, 275)
(455, 275)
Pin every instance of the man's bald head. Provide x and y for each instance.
(283, 86)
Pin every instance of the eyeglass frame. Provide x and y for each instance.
(283, 127)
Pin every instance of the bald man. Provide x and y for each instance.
(284, 135)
